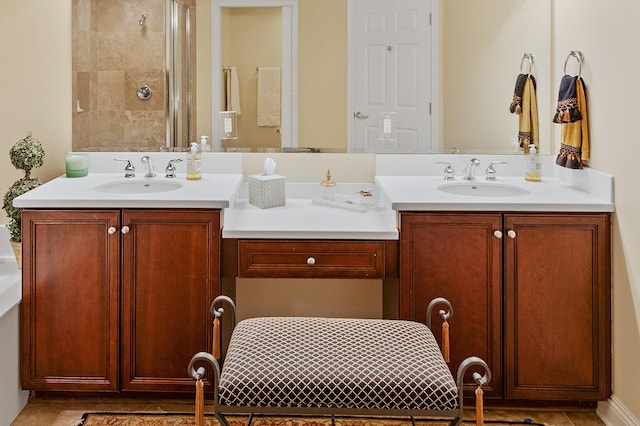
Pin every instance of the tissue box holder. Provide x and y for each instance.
(266, 191)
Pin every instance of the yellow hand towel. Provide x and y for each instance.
(269, 97)
(574, 147)
(528, 130)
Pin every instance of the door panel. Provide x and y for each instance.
(170, 276)
(70, 302)
(392, 74)
(557, 307)
(456, 256)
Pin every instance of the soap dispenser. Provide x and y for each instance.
(194, 162)
(532, 165)
(328, 188)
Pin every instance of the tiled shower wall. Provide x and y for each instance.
(112, 56)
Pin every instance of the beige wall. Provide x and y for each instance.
(608, 37)
(35, 88)
(253, 38)
(482, 47)
(322, 83)
(35, 82)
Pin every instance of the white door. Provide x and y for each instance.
(391, 76)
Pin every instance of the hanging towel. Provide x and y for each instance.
(269, 97)
(525, 104)
(567, 110)
(574, 146)
(516, 101)
(232, 87)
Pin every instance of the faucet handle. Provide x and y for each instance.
(491, 171)
(170, 171)
(449, 173)
(129, 169)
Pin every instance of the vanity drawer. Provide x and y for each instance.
(310, 259)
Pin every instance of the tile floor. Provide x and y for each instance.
(68, 411)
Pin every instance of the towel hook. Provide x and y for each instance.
(529, 57)
(579, 57)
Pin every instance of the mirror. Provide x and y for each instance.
(480, 46)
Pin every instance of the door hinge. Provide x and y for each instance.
(429, 108)
(430, 19)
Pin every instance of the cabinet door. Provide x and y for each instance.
(557, 306)
(70, 301)
(170, 276)
(456, 256)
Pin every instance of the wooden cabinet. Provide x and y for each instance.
(70, 300)
(456, 256)
(557, 306)
(311, 259)
(542, 278)
(117, 299)
(170, 275)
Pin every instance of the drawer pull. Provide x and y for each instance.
(112, 230)
(511, 233)
(497, 233)
(125, 229)
(311, 261)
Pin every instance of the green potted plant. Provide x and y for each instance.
(25, 155)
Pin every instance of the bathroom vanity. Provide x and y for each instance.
(115, 293)
(120, 279)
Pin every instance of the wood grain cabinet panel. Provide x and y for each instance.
(310, 259)
(70, 300)
(86, 327)
(456, 256)
(544, 279)
(170, 275)
(557, 306)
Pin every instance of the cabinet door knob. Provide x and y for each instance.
(497, 233)
(511, 233)
(311, 261)
(125, 230)
(112, 230)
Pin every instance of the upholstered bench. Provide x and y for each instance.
(333, 366)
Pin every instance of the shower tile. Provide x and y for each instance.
(111, 15)
(111, 51)
(108, 129)
(145, 129)
(154, 10)
(144, 50)
(152, 78)
(111, 90)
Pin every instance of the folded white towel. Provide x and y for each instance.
(233, 90)
(269, 97)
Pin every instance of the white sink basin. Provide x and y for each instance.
(483, 189)
(138, 186)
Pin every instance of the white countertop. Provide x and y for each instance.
(403, 183)
(549, 195)
(301, 218)
(212, 191)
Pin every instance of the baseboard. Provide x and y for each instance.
(614, 413)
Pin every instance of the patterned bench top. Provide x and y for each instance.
(335, 363)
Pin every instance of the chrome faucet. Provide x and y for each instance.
(170, 171)
(129, 169)
(470, 169)
(151, 168)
